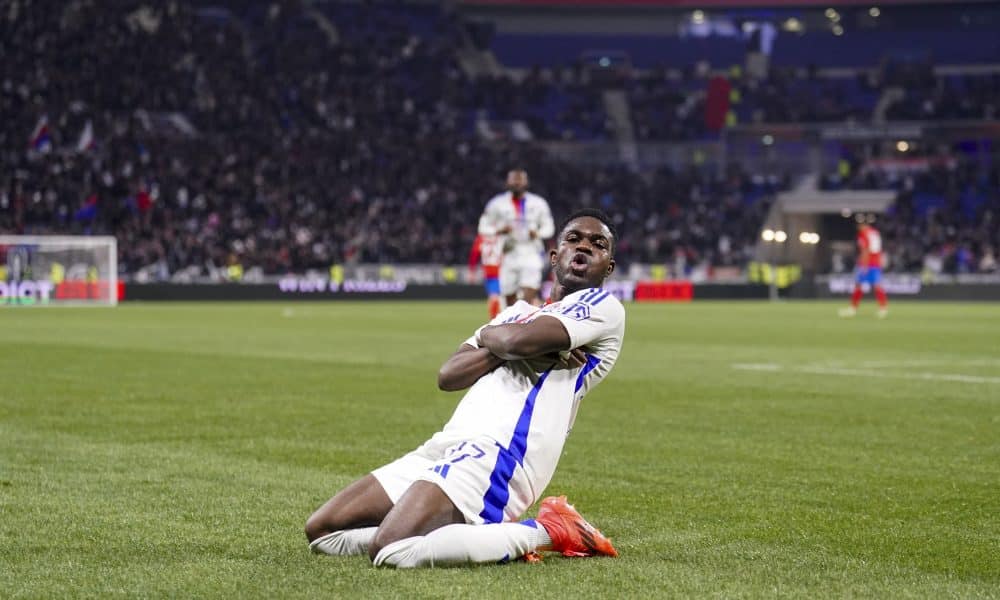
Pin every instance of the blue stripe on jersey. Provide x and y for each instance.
(594, 296)
(598, 299)
(592, 362)
(508, 458)
(497, 496)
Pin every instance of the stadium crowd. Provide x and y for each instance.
(944, 218)
(234, 160)
(252, 135)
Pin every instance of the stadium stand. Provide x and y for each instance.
(286, 137)
(944, 218)
(938, 33)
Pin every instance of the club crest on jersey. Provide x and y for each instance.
(578, 311)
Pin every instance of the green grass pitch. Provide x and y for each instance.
(737, 450)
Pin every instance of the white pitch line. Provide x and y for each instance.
(960, 377)
(757, 366)
(879, 364)
(813, 370)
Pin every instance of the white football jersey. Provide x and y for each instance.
(528, 407)
(531, 214)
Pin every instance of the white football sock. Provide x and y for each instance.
(461, 544)
(344, 543)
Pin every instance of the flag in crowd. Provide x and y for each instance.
(88, 210)
(86, 141)
(41, 140)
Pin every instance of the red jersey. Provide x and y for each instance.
(871, 240)
(488, 250)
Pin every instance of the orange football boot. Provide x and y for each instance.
(571, 534)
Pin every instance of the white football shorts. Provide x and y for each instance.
(481, 478)
(520, 270)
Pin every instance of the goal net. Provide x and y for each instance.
(58, 270)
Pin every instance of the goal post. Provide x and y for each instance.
(53, 270)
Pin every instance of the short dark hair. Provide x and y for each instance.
(598, 214)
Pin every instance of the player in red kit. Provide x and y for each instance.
(488, 251)
(868, 270)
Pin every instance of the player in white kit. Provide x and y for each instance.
(523, 221)
(458, 497)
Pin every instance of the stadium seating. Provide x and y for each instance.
(855, 48)
(247, 133)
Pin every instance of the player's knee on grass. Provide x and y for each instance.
(328, 519)
(316, 527)
(363, 503)
(395, 531)
(378, 542)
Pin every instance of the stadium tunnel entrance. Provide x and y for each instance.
(811, 228)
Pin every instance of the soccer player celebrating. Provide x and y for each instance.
(522, 220)
(459, 498)
(868, 270)
(486, 249)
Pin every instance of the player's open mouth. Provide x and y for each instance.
(579, 263)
